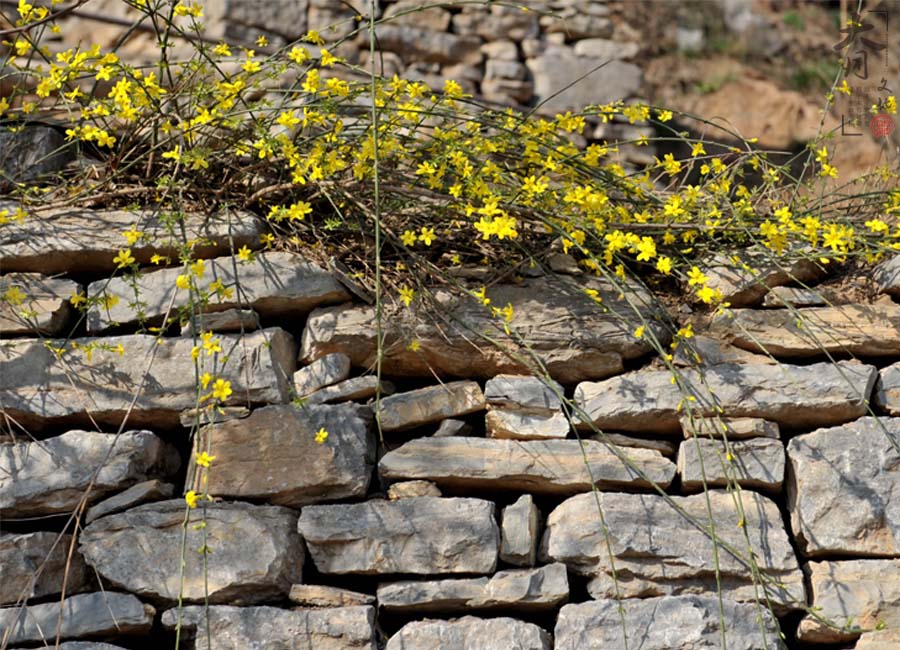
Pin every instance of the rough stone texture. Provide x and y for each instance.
(322, 372)
(452, 427)
(320, 596)
(274, 284)
(844, 489)
(230, 320)
(712, 352)
(665, 447)
(747, 281)
(852, 595)
(82, 240)
(409, 12)
(519, 532)
(793, 396)
(431, 404)
(559, 67)
(603, 48)
(424, 535)
(51, 476)
(887, 276)
(257, 458)
(522, 590)
(336, 628)
(538, 466)
(470, 633)
(887, 390)
(757, 463)
(879, 640)
(416, 44)
(256, 552)
(21, 556)
(45, 307)
(795, 297)
(143, 492)
(867, 330)
(411, 489)
(667, 623)
(579, 20)
(349, 390)
(570, 333)
(83, 615)
(523, 393)
(732, 428)
(37, 386)
(241, 21)
(31, 153)
(498, 21)
(515, 425)
(657, 551)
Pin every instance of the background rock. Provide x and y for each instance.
(471, 633)
(22, 556)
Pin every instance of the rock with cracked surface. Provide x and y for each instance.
(154, 490)
(421, 535)
(321, 596)
(538, 466)
(844, 489)
(744, 282)
(663, 553)
(322, 372)
(471, 633)
(755, 463)
(256, 552)
(732, 428)
(887, 390)
(519, 532)
(516, 425)
(35, 304)
(431, 404)
(22, 555)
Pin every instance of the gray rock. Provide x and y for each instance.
(519, 532)
(34, 152)
(756, 463)
(321, 596)
(498, 69)
(524, 393)
(498, 21)
(887, 276)
(732, 428)
(431, 404)
(887, 390)
(240, 21)
(418, 13)
(34, 566)
(322, 372)
(746, 281)
(566, 82)
(230, 320)
(44, 309)
(667, 623)
(558, 321)
(83, 615)
(423, 535)
(844, 489)
(334, 628)
(471, 633)
(452, 427)
(50, 476)
(516, 425)
(256, 554)
(666, 448)
(662, 553)
(257, 458)
(524, 590)
(36, 386)
(851, 596)
(794, 396)
(274, 284)
(500, 51)
(198, 417)
(867, 330)
(795, 297)
(143, 492)
(538, 466)
(349, 390)
(416, 44)
(577, 24)
(603, 48)
(709, 351)
(411, 489)
(82, 240)
(888, 639)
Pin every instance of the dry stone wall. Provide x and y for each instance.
(490, 509)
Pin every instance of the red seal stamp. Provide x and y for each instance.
(881, 125)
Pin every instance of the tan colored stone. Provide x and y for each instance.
(230, 320)
(744, 282)
(354, 389)
(756, 463)
(879, 640)
(321, 596)
(410, 489)
(431, 404)
(322, 372)
(732, 428)
(44, 307)
(471, 633)
(519, 532)
(516, 425)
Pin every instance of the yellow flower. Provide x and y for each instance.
(206, 378)
(77, 299)
(221, 389)
(696, 276)
(222, 49)
(183, 281)
(298, 55)
(639, 332)
(698, 150)
(407, 295)
(14, 296)
(313, 37)
(664, 116)
(124, 258)
(262, 41)
(210, 344)
(132, 235)
(844, 88)
(158, 259)
(408, 237)
(664, 264)
(413, 346)
(204, 459)
(321, 435)
(244, 253)
(426, 235)
(198, 268)
(191, 498)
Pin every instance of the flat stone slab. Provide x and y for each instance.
(350, 390)
(795, 297)
(844, 490)
(37, 387)
(666, 623)
(852, 596)
(274, 284)
(887, 390)
(44, 307)
(86, 241)
(562, 325)
(229, 320)
(50, 476)
(523, 393)
(756, 463)
(730, 428)
(819, 394)
(516, 425)
(522, 590)
(742, 286)
(321, 596)
(430, 404)
(887, 276)
(83, 615)
(322, 372)
(336, 628)
(888, 639)
(256, 554)
(411, 489)
(471, 633)
(422, 535)
(153, 490)
(657, 551)
(666, 447)
(537, 466)
(22, 555)
(257, 458)
(863, 330)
